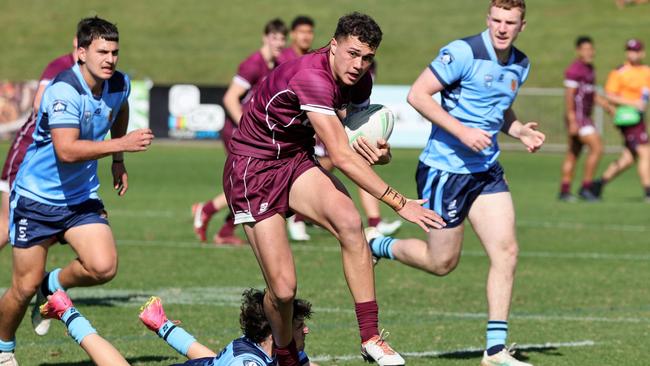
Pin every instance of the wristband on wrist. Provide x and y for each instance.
(393, 199)
(118, 161)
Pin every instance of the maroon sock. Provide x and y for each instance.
(373, 221)
(298, 218)
(287, 355)
(228, 228)
(565, 187)
(368, 318)
(586, 184)
(209, 209)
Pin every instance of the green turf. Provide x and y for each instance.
(583, 273)
(203, 41)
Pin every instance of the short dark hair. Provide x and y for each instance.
(583, 39)
(302, 20)
(359, 25)
(90, 29)
(252, 320)
(275, 26)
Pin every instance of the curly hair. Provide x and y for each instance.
(252, 320)
(89, 29)
(361, 26)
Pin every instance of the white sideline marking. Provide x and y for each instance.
(582, 225)
(520, 222)
(231, 297)
(335, 248)
(433, 353)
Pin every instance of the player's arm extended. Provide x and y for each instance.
(330, 130)
(526, 133)
(421, 98)
(619, 100)
(70, 148)
(232, 101)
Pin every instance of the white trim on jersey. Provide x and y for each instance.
(571, 84)
(318, 109)
(241, 82)
(4, 186)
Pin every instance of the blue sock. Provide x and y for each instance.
(176, 337)
(497, 333)
(382, 247)
(7, 346)
(53, 283)
(78, 326)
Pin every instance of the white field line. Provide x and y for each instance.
(335, 248)
(433, 353)
(522, 223)
(231, 297)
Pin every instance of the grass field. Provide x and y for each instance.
(203, 41)
(582, 295)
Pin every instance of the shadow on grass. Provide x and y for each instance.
(132, 360)
(109, 301)
(520, 353)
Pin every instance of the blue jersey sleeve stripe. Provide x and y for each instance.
(437, 75)
(64, 125)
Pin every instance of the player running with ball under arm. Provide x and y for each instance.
(271, 172)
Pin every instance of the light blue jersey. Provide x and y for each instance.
(69, 103)
(243, 352)
(477, 92)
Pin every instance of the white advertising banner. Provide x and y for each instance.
(411, 129)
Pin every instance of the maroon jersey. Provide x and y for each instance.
(249, 73)
(56, 66)
(582, 77)
(287, 54)
(275, 123)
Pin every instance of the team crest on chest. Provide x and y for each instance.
(488, 80)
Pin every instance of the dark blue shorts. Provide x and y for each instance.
(205, 361)
(451, 195)
(32, 222)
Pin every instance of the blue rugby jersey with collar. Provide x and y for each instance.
(478, 89)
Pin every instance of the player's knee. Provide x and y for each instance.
(24, 290)
(347, 222)
(443, 267)
(507, 255)
(102, 271)
(283, 293)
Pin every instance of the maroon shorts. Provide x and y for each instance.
(257, 189)
(634, 136)
(16, 153)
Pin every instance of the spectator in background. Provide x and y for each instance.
(628, 87)
(580, 95)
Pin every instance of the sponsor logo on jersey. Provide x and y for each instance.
(446, 57)
(59, 106)
(249, 362)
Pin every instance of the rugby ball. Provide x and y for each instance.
(374, 123)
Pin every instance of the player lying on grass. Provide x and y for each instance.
(254, 348)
